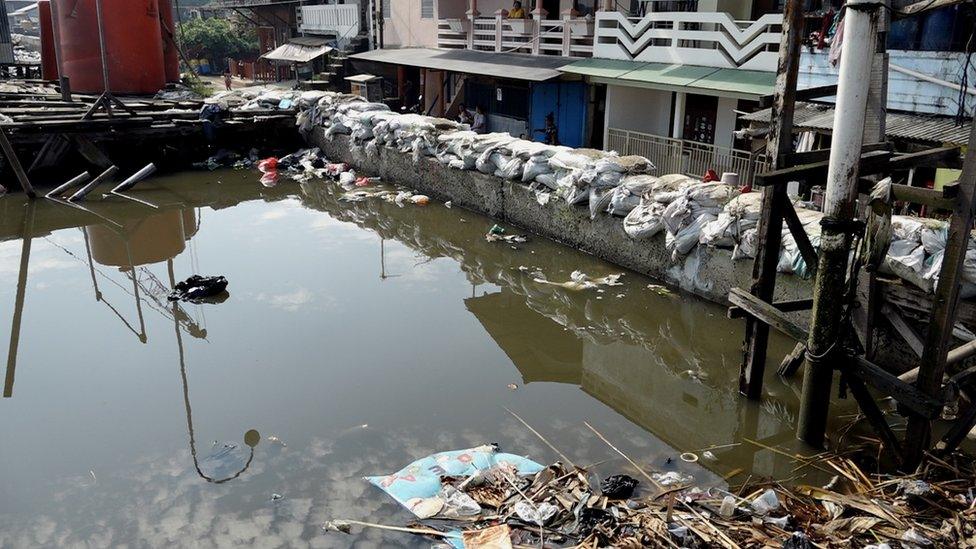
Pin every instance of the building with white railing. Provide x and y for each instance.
(654, 77)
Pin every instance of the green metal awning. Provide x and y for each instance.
(736, 83)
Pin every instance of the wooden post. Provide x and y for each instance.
(939, 335)
(826, 326)
(8, 151)
(780, 142)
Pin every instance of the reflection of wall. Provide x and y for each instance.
(539, 348)
(150, 239)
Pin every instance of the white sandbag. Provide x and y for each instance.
(547, 179)
(599, 201)
(511, 169)
(644, 221)
(684, 240)
(535, 167)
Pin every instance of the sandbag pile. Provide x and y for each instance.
(568, 173)
(916, 251)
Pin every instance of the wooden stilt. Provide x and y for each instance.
(15, 165)
(939, 334)
(770, 228)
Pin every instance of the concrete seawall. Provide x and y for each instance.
(707, 272)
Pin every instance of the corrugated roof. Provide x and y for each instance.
(736, 83)
(296, 52)
(534, 68)
(901, 125)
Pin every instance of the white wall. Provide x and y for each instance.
(639, 110)
(403, 27)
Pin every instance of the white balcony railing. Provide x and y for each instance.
(567, 37)
(688, 157)
(709, 39)
(341, 20)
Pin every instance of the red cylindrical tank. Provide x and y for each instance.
(171, 56)
(133, 45)
(49, 59)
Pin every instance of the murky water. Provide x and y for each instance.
(360, 335)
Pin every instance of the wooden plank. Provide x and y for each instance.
(790, 306)
(904, 330)
(822, 155)
(942, 157)
(807, 250)
(915, 303)
(871, 162)
(939, 335)
(923, 6)
(767, 314)
(806, 94)
(792, 362)
(770, 229)
(11, 155)
(888, 384)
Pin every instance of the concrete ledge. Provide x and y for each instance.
(707, 272)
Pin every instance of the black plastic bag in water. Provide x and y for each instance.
(198, 288)
(618, 486)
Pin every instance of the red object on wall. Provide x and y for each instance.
(49, 59)
(133, 44)
(171, 56)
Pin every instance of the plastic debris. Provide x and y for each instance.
(512, 386)
(728, 506)
(578, 280)
(337, 526)
(916, 488)
(689, 457)
(912, 536)
(671, 478)
(276, 497)
(539, 514)
(448, 204)
(765, 502)
(797, 540)
(618, 486)
(197, 289)
(275, 440)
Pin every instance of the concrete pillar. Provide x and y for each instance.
(472, 14)
(499, 21)
(678, 124)
(567, 31)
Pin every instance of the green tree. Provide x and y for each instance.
(217, 39)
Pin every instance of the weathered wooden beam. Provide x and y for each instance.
(774, 199)
(888, 384)
(790, 306)
(941, 157)
(923, 6)
(821, 155)
(15, 165)
(875, 416)
(806, 94)
(917, 304)
(766, 313)
(939, 335)
(904, 330)
(871, 162)
(792, 362)
(806, 248)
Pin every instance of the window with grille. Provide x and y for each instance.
(426, 9)
(386, 9)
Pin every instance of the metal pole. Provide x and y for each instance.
(74, 181)
(860, 36)
(106, 89)
(135, 178)
(15, 165)
(83, 192)
(56, 27)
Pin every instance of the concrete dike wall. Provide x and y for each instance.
(707, 272)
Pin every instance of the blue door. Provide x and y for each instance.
(567, 102)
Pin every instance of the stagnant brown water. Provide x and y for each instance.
(361, 335)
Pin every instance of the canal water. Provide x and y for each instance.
(356, 337)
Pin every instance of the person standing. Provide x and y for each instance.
(517, 12)
(227, 81)
(480, 124)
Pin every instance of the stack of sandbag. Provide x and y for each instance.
(917, 247)
(790, 259)
(741, 214)
(578, 171)
(645, 220)
(686, 216)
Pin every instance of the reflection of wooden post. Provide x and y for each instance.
(8, 382)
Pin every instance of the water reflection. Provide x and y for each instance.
(406, 343)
